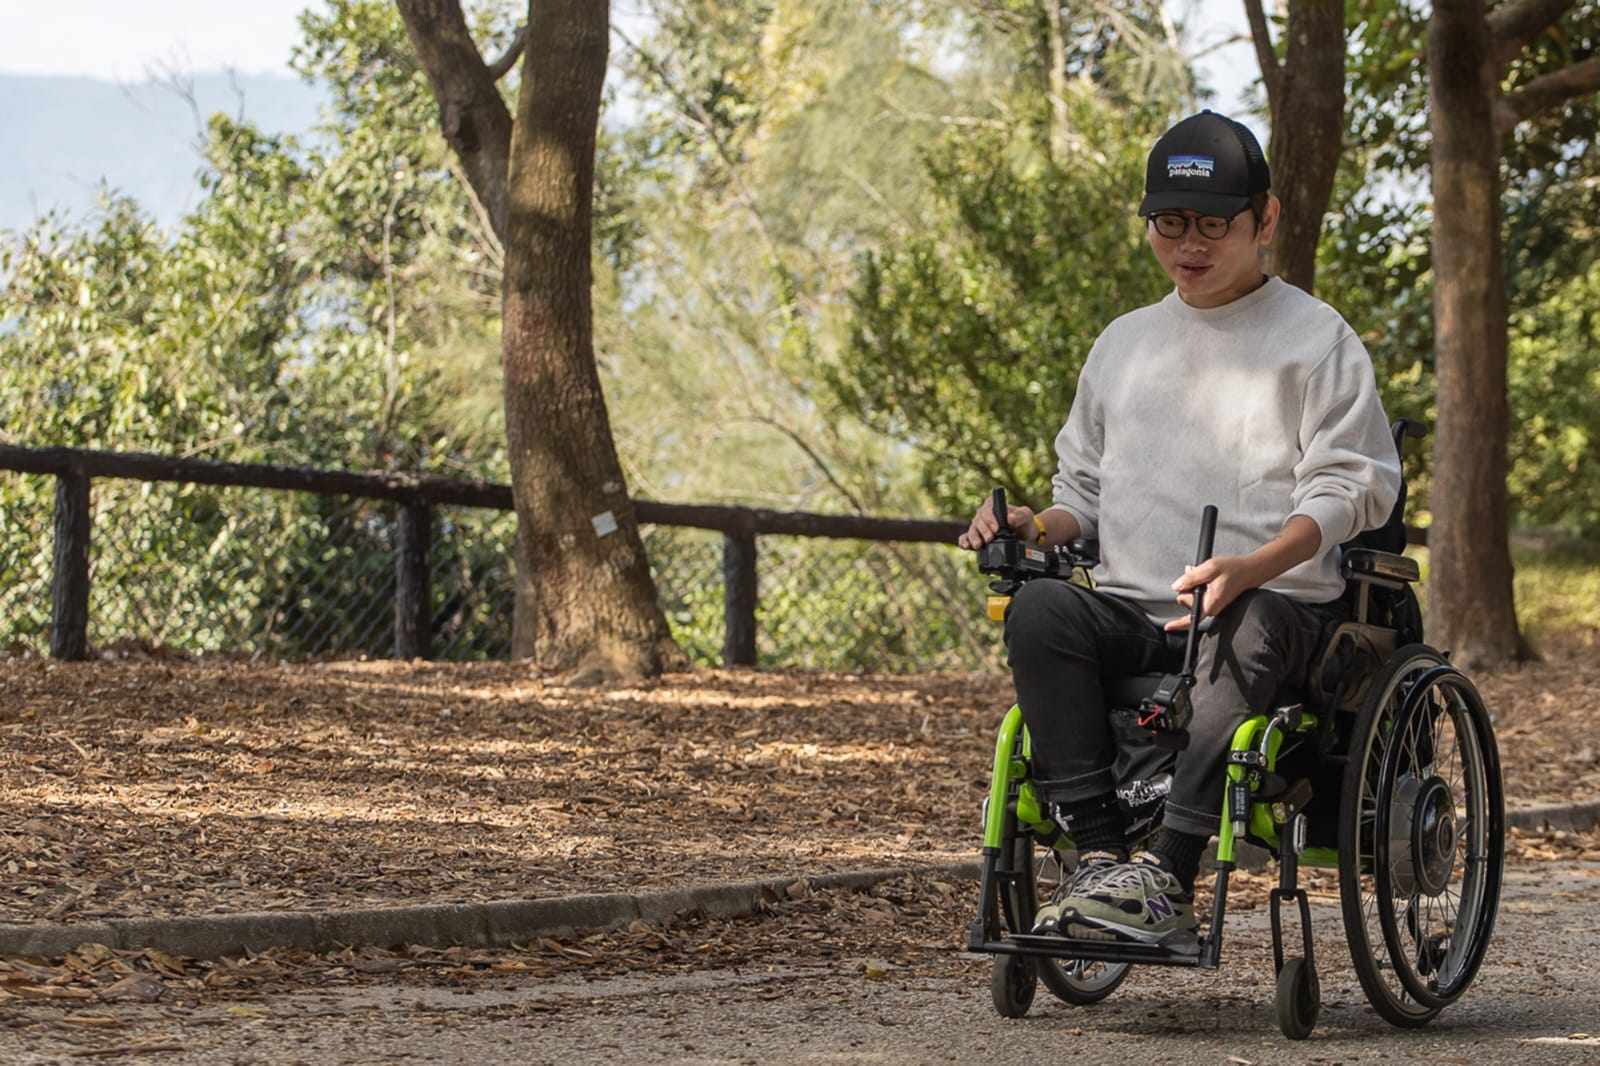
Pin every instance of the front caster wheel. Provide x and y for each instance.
(1299, 999)
(1013, 982)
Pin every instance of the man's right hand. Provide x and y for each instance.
(985, 526)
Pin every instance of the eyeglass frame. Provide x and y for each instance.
(1227, 223)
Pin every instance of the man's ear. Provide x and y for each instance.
(1269, 220)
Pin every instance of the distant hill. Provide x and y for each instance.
(61, 137)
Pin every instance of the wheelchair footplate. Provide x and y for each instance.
(1181, 947)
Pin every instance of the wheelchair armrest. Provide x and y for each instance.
(1362, 563)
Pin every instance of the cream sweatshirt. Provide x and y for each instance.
(1266, 407)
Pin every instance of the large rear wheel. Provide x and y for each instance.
(1421, 837)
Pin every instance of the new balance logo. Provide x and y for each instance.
(1160, 906)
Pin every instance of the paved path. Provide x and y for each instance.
(1540, 988)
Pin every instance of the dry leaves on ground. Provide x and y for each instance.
(146, 788)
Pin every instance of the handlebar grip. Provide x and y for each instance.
(1208, 533)
(998, 503)
(1208, 538)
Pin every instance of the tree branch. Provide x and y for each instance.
(1261, 35)
(1516, 22)
(1545, 92)
(500, 67)
(472, 116)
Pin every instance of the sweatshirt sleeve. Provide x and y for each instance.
(1348, 476)
(1075, 488)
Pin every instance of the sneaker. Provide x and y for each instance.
(1136, 900)
(1090, 864)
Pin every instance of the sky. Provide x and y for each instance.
(130, 41)
(123, 40)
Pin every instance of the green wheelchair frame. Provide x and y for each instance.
(1407, 821)
(1405, 829)
(1013, 806)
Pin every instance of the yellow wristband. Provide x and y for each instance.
(1038, 523)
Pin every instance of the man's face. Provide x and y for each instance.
(1210, 273)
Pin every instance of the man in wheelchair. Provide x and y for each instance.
(1238, 390)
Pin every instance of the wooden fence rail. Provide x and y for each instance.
(417, 496)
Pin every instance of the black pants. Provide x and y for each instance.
(1063, 640)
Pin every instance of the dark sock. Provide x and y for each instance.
(1097, 824)
(1178, 854)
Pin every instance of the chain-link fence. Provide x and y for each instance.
(26, 550)
(295, 575)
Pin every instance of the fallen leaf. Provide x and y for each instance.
(49, 992)
(874, 970)
(44, 828)
(102, 1021)
(137, 987)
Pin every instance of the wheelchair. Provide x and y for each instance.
(1385, 770)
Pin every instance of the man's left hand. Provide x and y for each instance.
(1225, 578)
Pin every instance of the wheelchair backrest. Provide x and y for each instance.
(1391, 536)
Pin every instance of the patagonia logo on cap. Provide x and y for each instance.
(1190, 166)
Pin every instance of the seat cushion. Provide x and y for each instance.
(1130, 691)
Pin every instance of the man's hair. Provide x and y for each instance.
(1258, 207)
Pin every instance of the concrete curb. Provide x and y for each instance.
(495, 924)
(506, 922)
(1574, 817)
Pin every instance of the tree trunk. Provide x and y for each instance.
(1307, 134)
(1470, 605)
(585, 597)
(1056, 82)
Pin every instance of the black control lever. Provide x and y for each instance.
(998, 503)
(1168, 711)
(1208, 537)
(1013, 559)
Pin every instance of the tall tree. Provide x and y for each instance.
(585, 597)
(1305, 94)
(1470, 52)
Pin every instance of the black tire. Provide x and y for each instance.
(1080, 982)
(1012, 983)
(1389, 777)
(1441, 811)
(1299, 999)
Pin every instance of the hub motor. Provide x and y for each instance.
(1422, 839)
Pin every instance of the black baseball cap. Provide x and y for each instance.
(1207, 163)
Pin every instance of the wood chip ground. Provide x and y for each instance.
(150, 787)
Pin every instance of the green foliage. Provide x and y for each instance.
(968, 339)
(1374, 263)
(1554, 378)
(300, 314)
(848, 257)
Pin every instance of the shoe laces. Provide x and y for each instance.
(1144, 876)
(1090, 866)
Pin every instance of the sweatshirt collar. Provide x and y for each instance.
(1259, 296)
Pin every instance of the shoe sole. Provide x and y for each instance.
(1083, 927)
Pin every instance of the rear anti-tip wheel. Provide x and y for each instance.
(1299, 998)
(1013, 982)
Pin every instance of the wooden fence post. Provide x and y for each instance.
(739, 598)
(413, 600)
(69, 585)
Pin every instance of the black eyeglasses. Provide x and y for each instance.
(1172, 225)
